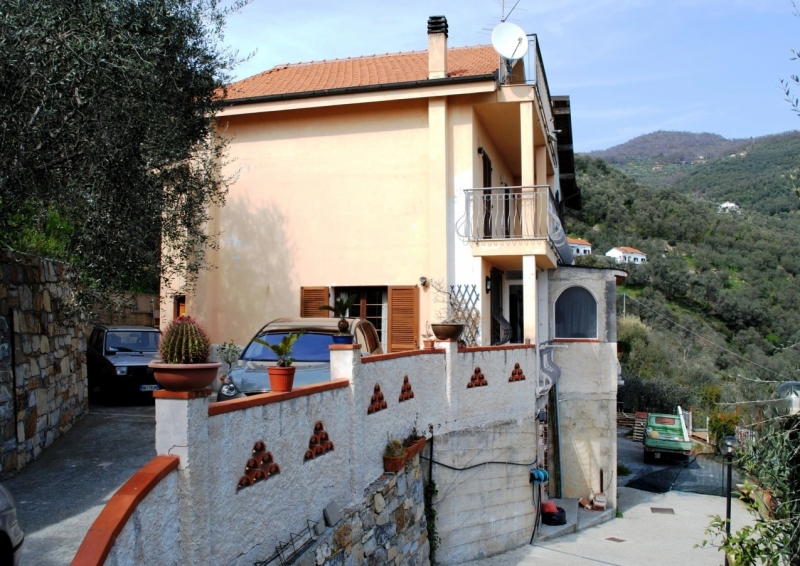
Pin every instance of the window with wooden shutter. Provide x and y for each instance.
(403, 318)
(310, 300)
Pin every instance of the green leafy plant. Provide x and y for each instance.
(722, 424)
(623, 470)
(185, 341)
(340, 308)
(430, 492)
(282, 349)
(228, 352)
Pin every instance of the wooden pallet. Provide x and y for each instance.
(638, 426)
(625, 420)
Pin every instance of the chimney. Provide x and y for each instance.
(437, 47)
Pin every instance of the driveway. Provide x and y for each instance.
(61, 494)
(655, 529)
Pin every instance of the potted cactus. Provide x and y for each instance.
(340, 307)
(281, 375)
(394, 456)
(184, 350)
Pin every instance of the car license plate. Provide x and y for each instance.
(148, 388)
(658, 455)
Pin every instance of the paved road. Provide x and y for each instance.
(60, 494)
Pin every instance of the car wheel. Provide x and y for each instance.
(648, 457)
(6, 550)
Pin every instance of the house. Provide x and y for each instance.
(728, 207)
(387, 177)
(367, 175)
(579, 246)
(623, 254)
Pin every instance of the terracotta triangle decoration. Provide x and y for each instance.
(260, 466)
(477, 379)
(377, 403)
(405, 392)
(516, 374)
(319, 443)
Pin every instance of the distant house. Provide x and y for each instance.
(624, 254)
(728, 207)
(579, 247)
(657, 167)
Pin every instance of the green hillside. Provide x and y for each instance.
(730, 279)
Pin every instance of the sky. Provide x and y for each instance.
(630, 67)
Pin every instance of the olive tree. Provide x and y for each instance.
(108, 154)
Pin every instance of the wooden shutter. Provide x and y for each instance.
(403, 318)
(310, 300)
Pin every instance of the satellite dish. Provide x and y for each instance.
(509, 41)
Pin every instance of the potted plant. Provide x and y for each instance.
(228, 352)
(340, 307)
(414, 443)
(281, 376)
(427, 338)
(184, 350)
(394, 456)
(456, 314)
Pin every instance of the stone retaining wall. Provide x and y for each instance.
(388, 527)
(43, 382)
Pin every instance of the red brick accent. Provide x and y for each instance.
(223, 407)
(406, 392)
(164, 394)
(396, 355)
(377, 402)
(493, 348)
(100, 539)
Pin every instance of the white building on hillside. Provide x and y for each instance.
(729, 207)
(624, 254)
(579, 247)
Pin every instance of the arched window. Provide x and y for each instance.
(576, 314)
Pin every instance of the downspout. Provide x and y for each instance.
(12, 345)
(553, 413)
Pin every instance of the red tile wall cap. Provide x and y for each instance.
(344, 347)
(104, 531)
(223, 407)
(164, 394)
(493, 348)
(396, 355)
(576, 340)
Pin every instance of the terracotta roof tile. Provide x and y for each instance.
(362, 71)
(578, 241)
(629, 250)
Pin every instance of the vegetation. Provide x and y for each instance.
(185, 341)
(282, 349)
(623, 470)
(107, 152)
(228, 352)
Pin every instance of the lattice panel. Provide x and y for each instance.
(463, 301)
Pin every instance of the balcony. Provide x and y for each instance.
(514, 221)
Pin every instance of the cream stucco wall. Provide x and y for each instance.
(587, 389)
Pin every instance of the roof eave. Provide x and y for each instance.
(358, 89)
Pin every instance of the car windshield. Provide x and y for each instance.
(133, 340)
(665, 420)
(310, 347)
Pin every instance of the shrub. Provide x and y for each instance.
(722, 424)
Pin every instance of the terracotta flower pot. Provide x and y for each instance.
(394, 464)
(281, 379)
(427, 344)
(185, 377)
(447, 331)
(415, 448)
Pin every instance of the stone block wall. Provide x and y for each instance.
(387, 527)
(43, 381)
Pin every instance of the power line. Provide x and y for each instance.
(692, 332)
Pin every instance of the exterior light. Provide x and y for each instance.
(542, 416)
(424, 282)
(727, 445)
(488, 284)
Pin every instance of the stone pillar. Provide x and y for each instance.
(182, 430)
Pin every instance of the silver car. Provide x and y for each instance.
(311, 353)
(11, 535)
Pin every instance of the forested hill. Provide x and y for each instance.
(758, 174)
(732, 279)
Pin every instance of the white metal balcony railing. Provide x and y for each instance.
(513, 213)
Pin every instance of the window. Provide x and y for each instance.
(576, 314)
(371, 304)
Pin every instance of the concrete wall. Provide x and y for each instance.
(43, 381)
(221, 523)
(587, 389)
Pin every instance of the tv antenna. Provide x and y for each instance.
(511, 43)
